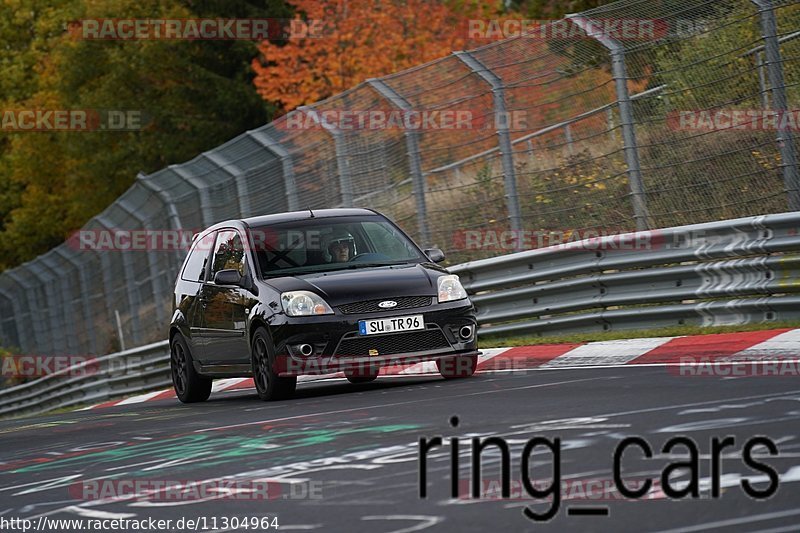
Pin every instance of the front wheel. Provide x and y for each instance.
(457, 366)
(269, 385)
(189, 386)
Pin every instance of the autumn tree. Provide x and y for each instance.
(360, 39)
(193, 96)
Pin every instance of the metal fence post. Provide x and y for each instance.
(611, 126)
(774, 62)
(152, 264)
(762, 80)
(131, 286)
(202, 191)
(504, 136)
(85, 288)
(531, 156)
(172, 214)
(16, 319)
(412, 151)
(65, 309)
(108, 288)
(265, 140)
(568, 138)
(631, 147)
(345, 186)
(238, 176)
(55, 324)
(35, 326)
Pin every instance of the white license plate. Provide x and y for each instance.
(390, 325)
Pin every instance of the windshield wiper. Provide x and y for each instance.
(331, 267)
(365, 265)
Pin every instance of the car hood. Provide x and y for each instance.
(345, 286)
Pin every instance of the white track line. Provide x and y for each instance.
(222, 384)
(139, 398)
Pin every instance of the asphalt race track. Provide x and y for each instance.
(342, 457)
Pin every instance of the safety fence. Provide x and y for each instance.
(572, 130)
(91, 381)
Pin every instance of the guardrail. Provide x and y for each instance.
(720, 273)
(95, 380)
(644, 280)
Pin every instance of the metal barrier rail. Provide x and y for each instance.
(93, 381)
(643, 280)
(728, 272)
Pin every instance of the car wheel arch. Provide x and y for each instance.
(255, 324)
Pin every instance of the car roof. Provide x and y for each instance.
(277, 218)
(306, 214)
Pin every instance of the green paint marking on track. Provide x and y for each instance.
(217, 450)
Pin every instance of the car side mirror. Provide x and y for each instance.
(435, 255)
(229, 276)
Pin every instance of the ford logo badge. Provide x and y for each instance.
(388, 304)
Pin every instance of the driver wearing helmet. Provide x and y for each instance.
(341, 246)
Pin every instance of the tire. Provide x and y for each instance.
(269, 385)
(457, 366)
(190, 387)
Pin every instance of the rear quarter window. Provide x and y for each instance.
(195, 267)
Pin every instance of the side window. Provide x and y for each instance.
(228, 253)
(196, 264)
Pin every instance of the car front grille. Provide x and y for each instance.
(393, 344)
(371, 306)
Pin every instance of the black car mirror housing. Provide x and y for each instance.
(435, 255)
(229, 276)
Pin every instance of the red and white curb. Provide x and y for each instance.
(772, 345)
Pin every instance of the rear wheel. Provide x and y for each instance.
(457, 366)
(269, 385)
(189, 386)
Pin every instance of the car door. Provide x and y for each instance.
(189, 292)
(224, 306)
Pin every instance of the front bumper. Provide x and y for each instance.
(337, 345)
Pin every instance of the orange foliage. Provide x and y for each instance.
(362, 39)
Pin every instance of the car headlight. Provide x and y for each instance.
(450, 289)
(304, 303)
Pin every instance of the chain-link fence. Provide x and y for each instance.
(635, 115)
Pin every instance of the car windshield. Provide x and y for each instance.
(333, 243)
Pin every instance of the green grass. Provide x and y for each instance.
(496, 341)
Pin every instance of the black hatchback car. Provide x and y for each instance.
(313, 292)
